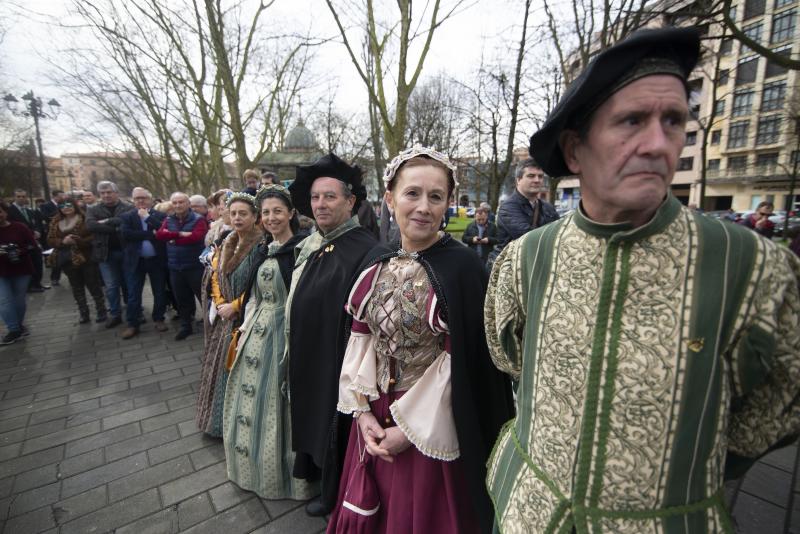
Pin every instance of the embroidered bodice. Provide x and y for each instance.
(396, 315)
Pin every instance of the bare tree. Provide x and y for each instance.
(383, 36)
(175, 83)
(436, 116)
(588, 28)
(494, 113)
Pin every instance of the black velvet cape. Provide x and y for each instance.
(481, 394)
(317, 341)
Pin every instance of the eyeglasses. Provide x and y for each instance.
(66, 205)
(765, 213)
(141, 198)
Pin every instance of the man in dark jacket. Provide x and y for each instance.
(184, 232)
(144, 256)
(523, 210)
(19, 212)
(105, 223)
(481, 235)
(329, 190)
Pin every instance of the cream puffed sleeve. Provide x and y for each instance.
(358, 378)
(425, 412)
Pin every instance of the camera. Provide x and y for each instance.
(12, 252)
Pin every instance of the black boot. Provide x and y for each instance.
(83, 306)
(100, 306)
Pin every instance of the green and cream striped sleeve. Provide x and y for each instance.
(766, 360)
(504, 313)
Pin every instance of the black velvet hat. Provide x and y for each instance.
(330, 166)
(645, 52)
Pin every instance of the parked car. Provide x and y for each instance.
(794, 224)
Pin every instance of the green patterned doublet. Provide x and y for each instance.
(643, 357)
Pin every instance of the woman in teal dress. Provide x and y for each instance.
(256, 425)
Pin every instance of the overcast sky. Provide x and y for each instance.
(31, 38)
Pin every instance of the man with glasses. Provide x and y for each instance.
(759, 221)
(144, 255)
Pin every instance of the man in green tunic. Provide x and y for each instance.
(655, 351)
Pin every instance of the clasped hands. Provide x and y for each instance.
(227, 311)
(385, 443)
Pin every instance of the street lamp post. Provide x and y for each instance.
(33, 108)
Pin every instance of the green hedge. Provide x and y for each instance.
(457, 225)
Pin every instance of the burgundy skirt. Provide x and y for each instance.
(418, 494)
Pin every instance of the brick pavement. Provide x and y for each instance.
(97, 434)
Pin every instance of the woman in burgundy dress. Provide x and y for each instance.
(417, 376)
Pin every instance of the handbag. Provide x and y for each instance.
(361, 503)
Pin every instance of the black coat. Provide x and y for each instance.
(317, 342)
(481, 394)
(490, 233)
(515, 219)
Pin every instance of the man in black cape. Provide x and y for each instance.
(326, 262)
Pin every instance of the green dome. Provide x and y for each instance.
(300, 138)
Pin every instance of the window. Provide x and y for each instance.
(691, 138)
(685, 164)
(724, 76)
(782, 3)
(746, 72)
(769, 129)
(793, 157)
(767, 161)
(713, 165)
(772, 96)
(742, 103)
(754, 31)
(773, 69)
(732, 13)
(716, 137)
(782, 26)
(753, 8)
(737, 135)
(737, 163)
(719, 106)
(726, 47)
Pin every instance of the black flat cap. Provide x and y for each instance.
(605, 74)
(329, 166)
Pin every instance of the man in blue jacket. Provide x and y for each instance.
(144, 256)
(184, 232)
(523, 210)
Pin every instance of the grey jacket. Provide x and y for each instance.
(102, 231)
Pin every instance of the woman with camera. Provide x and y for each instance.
(16, 269)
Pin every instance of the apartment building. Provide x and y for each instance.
(752, 141)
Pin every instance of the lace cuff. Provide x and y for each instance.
(425, 412)
(358, 379)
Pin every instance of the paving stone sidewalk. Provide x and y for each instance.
(97, 435)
